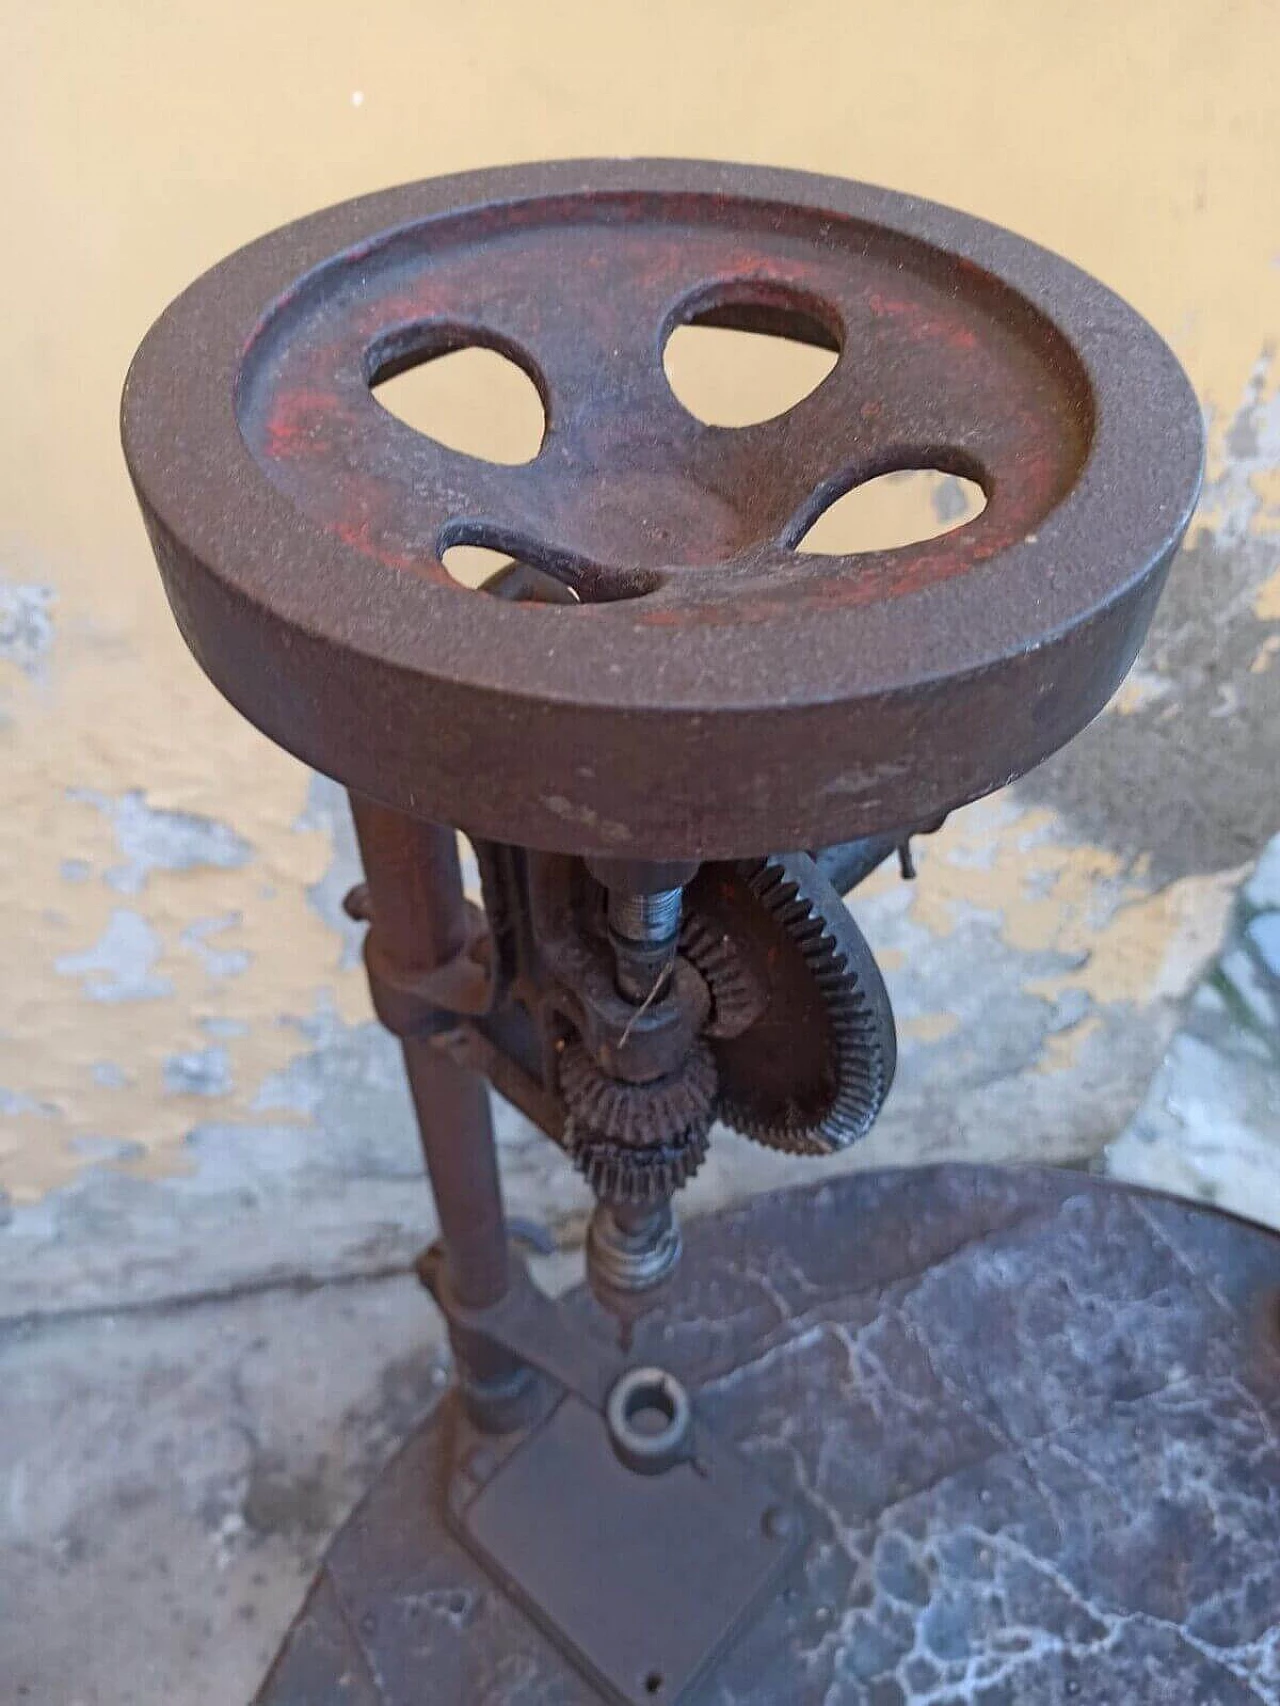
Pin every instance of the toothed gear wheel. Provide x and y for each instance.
(619, 1174)
(736, 999)
(639, 1116)
(637, 1143)
(811, 1073)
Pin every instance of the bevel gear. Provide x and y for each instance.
(619, 1174)
(637, 1143)
(639, 1116)
(811, 1072)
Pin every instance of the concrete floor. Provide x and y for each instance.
(1209, 1127)
(172, 1468)
(172, 1475)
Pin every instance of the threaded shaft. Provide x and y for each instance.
(647, 918)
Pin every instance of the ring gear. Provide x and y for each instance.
(811, 1073)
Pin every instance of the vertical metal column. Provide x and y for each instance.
(418, 915)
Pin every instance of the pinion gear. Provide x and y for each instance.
(736, 998)
(637, 1143)
(639, 1116)
(620, 1174)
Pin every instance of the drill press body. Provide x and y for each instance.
(675, 740)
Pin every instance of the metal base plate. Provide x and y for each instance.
(584, 1543)
(1034, 1421)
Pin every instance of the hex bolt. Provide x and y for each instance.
(357, 904)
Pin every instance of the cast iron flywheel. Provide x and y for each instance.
(716, 693)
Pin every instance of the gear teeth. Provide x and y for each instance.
(735, 1000)
(636, 1144)
(638, 1116)
(636, 1177)
(863, 1036)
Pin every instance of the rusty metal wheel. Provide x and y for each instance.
(716, 693)
(810, 1072)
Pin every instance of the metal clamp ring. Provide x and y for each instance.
(649, 1417)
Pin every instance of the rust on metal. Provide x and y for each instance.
(668, 734)
(300, 526)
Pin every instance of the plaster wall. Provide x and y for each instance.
(185, 1040)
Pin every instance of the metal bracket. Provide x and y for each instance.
(416, 1002)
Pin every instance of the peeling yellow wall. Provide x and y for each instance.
(146, 139)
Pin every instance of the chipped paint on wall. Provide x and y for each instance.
(1062, 1048)
(188, 997)
(1084, 931)
(929, 1027)
(146, 935)
(1209, 1126)
(1081, 906)
(1142, 687)
(119, 966)
(1241, 495)
(26, 625)
(198, 1072)
(151, 838)
(1266, 605)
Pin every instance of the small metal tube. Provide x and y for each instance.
(418, 912)
(452, 1105)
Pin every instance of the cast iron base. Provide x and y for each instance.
(1034, 1420)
